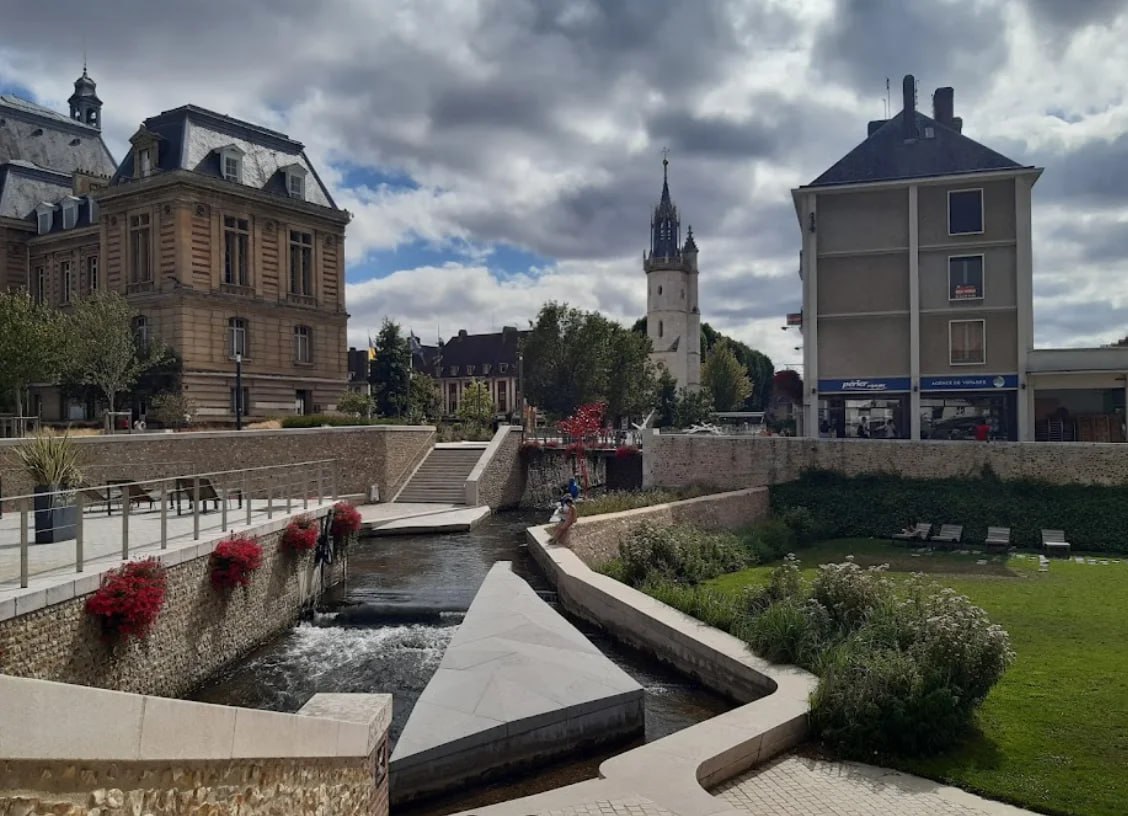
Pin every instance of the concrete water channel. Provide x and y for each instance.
(443, 571)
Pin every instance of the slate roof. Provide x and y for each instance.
(479, 350)
(23, 185)
(43, 137)
(887, 156)
(190, 138)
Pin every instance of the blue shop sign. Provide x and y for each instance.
(869, 385)
(973, 382)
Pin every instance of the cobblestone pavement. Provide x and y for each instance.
(615, 807)
(797, 786)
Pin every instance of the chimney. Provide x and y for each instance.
(462, 332)
(908, 113)
(944, 109)
(875, 126)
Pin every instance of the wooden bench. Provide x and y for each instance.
(1053, 541)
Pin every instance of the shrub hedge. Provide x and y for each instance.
(1094, 517)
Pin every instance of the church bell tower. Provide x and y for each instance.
(673, 319)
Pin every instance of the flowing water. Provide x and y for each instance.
(444, 570)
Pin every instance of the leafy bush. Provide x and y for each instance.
(772, 539)
(300, 534)
(356, 404)
(849, 593)
(803, 524)
(129, 598)
(788, 631)
(679, 554)
(233, 561)
(718, 609)
(1093, 516)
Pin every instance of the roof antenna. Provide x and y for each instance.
(887, 97)
(84, 54)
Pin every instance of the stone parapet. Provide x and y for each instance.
(498, 480)
(78, 751)
(596, 539)
(678, 460)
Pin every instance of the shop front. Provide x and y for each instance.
(952, 407)
(1079, 395)
(866, 408)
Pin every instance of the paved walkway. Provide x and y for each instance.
(798, 786)
(400, 518)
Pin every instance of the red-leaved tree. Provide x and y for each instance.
(789, 384)
(582, 427)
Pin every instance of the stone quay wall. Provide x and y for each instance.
(596, 539)
(381, 455)
(678, 460)
(199, 631)
(548, 469)
(498, 481)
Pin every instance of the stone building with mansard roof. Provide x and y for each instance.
(218, 231)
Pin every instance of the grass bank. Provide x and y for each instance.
(1053, 734)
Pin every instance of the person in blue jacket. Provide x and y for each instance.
(573, 488)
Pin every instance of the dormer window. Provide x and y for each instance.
(295, 176)
(231, 163)
(145, 162)
(144, 143)
(70, 213)
(92, 209)
(470, 370)
(45, 218)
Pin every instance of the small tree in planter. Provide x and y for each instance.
(346, 523)
(233, 561)
(52, 463)
(130, 598)
(300, 535)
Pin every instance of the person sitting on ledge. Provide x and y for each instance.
(569, 518)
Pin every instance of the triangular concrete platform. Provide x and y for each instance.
(518, 685)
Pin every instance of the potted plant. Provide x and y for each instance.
(52, 462)
(300, 534)
(346, 523)
(233, 561)
(129, 599)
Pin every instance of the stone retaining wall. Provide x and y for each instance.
(498, 480)
(548, 469)
(199, 631)
(382, 455)
(596, 539)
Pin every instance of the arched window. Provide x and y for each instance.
(659, 290)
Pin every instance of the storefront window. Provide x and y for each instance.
(956, 415)
(884, 418)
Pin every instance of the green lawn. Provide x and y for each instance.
(1053, 734)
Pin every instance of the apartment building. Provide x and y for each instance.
(917, 283)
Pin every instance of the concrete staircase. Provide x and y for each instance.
(442, 476)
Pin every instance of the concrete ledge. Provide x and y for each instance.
(672, 771)
(472, 485)
(518, 685)
(43, 720)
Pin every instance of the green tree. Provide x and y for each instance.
(726, 378)
(693, 407)
(391, 371)
(102, 349)
(666, 400)
(32, 340)
(356, 403)
(476, 406)
(172, 409)
(574, 358)
(423, 403)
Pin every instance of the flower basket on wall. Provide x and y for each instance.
(234, 560)
(300, 535)
(130, 598)
(346, 523)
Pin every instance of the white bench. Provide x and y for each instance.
(1053, 541)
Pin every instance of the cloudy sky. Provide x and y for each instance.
(499, 153)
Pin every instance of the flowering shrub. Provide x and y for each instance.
(346, 521)
(233, 561)
(626, 451)
(130, 598)
(300, 534)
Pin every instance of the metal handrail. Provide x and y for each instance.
(309, 477)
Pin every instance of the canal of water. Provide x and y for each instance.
(445, 570)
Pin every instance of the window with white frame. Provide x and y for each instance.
(965, 277)
(145, 162)
(237, 337)
(231, 163)
(40, 284)
(301, 263)
(303, 344)
(92, 273)
(67, 274)
(967, 342)
(140, 249)
(965, 212)
(236, 239)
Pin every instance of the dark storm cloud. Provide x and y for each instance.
(1073, 14)
(951, 43)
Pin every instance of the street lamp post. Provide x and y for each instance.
(238, 392)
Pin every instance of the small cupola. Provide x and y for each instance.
(85, 106)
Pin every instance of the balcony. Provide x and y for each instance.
(295, 299)
(139, 286)
(237, 289)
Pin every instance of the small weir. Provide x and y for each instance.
(388, 628)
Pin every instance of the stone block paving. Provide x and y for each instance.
(798, 786)
(614, 807)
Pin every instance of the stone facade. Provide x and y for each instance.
(340, 786)
(501, 482)
(596, 539)
(382, 455)
(548, 469)
(674, 460)
(199, 631)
